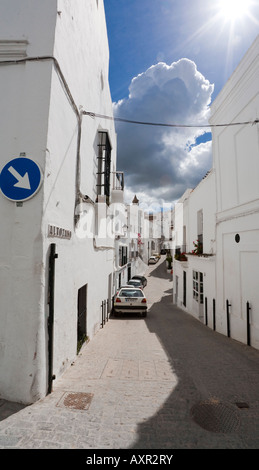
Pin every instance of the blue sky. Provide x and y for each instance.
(168, 61)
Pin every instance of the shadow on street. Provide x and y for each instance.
(209, 367)
(8, 408)
(161, 272)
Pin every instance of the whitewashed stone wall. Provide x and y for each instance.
(236, 150)
(202, 198)
(229, 198)
(65, 46)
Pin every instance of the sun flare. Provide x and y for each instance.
(234, 9)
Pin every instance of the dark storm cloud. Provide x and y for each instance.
(161, 162)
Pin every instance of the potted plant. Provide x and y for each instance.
(198, 248)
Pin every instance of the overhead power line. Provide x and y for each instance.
(64, 83)
(103, 116)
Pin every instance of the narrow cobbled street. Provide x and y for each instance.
(163, 382)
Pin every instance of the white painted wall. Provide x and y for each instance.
(203, 198)
(24, 101)
(229, 198)
(37, 118)
(180, 220)
(29, 20)
(83, 57)
(128, 223)
(237, 276)
(236, 164)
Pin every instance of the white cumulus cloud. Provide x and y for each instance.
(161, 162)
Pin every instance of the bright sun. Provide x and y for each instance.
(233, 9)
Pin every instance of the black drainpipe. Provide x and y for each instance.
(52, 258)
(248, 308)
(228, 319)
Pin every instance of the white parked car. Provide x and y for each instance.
(130, 300)
(135, 283)
(152, 260)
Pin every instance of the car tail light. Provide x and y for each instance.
(117, 299)
(144, 301)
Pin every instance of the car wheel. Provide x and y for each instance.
(144, 314)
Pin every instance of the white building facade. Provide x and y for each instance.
(219, 286)
(56, 263)
(131, 241)
(194, 249)
(236, 163)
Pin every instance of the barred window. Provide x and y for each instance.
(104, 165)
(123, 255)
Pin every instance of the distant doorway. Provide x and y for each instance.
(81, 316)
(176, 289)
(184, 288)
(110, 292)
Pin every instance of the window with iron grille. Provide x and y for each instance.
(123, 255)
(104, 165)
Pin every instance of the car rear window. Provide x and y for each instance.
(131, 293)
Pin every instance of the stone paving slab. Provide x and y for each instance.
(143, 384)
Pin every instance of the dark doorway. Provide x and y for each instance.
(81, 316)
(184, 288)
(51, 302)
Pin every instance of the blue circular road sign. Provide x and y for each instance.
(20, 179)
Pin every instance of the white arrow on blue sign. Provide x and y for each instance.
(20, 179)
